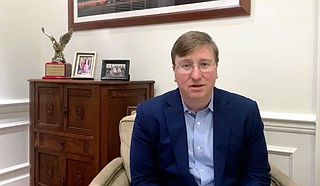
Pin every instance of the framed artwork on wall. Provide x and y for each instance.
(84, 65)
(94, 14)
(117, 69)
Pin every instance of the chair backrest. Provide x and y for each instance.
(125, 132)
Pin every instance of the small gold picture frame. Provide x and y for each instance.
(84, 65)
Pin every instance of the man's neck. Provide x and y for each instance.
(197, 105)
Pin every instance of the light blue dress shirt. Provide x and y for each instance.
(200, 144)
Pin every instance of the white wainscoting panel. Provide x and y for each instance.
(14, 142)
(291, 144)
(282, 157)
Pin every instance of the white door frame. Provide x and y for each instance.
(317, 137)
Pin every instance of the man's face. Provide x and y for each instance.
(196, 74)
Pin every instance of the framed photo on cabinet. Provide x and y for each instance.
(115, 69)
(84, 65)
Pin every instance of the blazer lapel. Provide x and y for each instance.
(178, 134)
(222, 127)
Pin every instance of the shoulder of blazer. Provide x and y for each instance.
(225, 97)
(169, 97)
(161, 102)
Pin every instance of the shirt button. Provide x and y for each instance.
(198, 123)
(198, 147)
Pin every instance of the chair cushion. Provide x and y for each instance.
(125, 132)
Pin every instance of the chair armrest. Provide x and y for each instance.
(108, 173)
(280, 178)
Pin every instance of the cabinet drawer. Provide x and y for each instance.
(64, 144)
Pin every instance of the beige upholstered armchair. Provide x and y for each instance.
(117, 172)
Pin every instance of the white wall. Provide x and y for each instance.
(264, 46)
(19, 47)
(270, 56)
(264, 56)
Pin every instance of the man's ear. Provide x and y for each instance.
(174, 74)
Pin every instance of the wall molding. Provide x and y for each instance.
(289, 122)
(14, 168)
(14, 106)
(14, 127)
(14, 119)
(14, 173)
(283, 151)
(14, 114)
(10, 125)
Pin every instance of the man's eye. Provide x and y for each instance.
(186, 65)
(205, 64)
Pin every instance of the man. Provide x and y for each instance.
(198, 134)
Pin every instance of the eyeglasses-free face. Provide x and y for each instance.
(196, 74)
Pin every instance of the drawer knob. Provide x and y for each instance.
(63, 181)
(64, 112)
(62, 144)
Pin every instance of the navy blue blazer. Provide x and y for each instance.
(159, 150)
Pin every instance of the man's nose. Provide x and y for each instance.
(196, 73)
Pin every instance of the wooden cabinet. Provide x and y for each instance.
(74, 129)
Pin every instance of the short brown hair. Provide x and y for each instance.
(189, 41)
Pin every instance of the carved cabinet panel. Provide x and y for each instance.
(82, 105)
(48, 109)
(74, 129)
(79, 172)
(48, 168)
